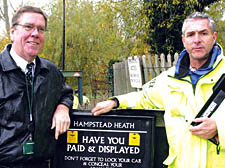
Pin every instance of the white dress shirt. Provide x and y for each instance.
(20, 62)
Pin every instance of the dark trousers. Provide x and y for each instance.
(39, 164)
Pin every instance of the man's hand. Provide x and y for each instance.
(103, 107)
(60, 120)
(206, 129)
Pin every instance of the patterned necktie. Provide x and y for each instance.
(29, 72)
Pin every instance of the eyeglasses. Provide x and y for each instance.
(30, 27)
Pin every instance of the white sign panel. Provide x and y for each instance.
(135, 72)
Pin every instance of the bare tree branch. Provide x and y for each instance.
(1, 14)
(6, 15)
(14, 10)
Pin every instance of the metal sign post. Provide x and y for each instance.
(77, 74)
(63, 40)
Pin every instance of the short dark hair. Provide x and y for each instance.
(24, 9)
(76, 91)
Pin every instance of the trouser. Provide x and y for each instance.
(33, 164)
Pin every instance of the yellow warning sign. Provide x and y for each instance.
(134, 139)
(72, 136)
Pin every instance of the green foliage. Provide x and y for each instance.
(95, 34)
(165, 22)
(4, 40)
(110, 76)
(216, 10)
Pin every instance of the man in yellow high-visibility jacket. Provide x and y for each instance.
(76, 104)
(182, 91)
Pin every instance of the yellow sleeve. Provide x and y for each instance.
(130, 100)
(75, 102)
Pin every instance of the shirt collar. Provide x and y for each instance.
(192, 69)
(20, 62)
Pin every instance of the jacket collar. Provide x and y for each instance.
(6, 61)
(183, 63)
(8, 64)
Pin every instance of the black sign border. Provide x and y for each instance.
(141, 114)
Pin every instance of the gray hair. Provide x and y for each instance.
(197, 15)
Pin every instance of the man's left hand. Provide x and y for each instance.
(60, 120)
(206, 129)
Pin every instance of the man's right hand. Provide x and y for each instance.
(103, 107)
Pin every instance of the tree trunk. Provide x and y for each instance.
(6, 15)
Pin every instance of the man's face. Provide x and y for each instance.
(26, 41)
(198, 39)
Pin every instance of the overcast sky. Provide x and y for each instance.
(16, 3)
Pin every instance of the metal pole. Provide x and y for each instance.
(63, 42)
(80, 90)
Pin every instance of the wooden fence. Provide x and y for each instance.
(151, 66)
